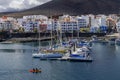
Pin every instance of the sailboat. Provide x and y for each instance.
(60, 48)
(57, 48)
(48, 55)
(39, 53)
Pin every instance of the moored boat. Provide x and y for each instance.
(47, 55)
(81, 55)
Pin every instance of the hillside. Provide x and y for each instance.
(73, 7)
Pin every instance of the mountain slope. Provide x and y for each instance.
(73, 7)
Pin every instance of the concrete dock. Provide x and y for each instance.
(29, 39)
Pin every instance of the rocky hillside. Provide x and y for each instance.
(73, 7)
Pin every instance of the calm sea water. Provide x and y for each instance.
(16, 59)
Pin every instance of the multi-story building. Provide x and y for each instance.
(82, 24)
(30, 26)
(34, 23)
(68, 23)
(6, 26)
(55, 25)
(6, 23)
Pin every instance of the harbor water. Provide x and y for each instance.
(16, 61)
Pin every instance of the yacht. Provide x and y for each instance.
(81, 55)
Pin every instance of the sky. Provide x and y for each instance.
(13, 5)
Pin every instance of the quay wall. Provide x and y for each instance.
(43, 36)
(15, 35)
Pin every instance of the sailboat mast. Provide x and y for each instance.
(51, 32)
(60, 35)
(57, 29)
(72, 33)
(118, 28)
(39, 35)
(77, 30)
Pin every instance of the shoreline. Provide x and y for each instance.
(30, 39)
(34, 39)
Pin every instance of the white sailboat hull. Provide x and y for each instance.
(48, 55)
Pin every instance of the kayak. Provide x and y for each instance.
(32, 71)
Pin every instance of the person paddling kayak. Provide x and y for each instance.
(35, 70)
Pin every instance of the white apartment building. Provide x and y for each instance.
(94, 24)
(68, 23)
(56, 25)
(30, 26)
(34, 22)
(82, 23)
(49, 25)
(68, 26)
(35, 17)
(6, 26)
